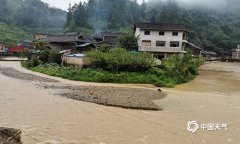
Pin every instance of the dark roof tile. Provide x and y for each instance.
(161, 26)
(61, 38)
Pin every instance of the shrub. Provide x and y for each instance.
(54, 57)
(44, 56)
(181, 68)
(119, 59)
(127, 41)
(26, 54)
(31, 63)
(170, 83)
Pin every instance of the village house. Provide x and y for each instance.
(40, 36)
(236, 53)
(210, 55)
(23, 45)
(107, 38)
(196, 51)
(231, 55)
(70, 41)
(2, 48)
(162, 39)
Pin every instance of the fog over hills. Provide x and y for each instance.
(32, 15)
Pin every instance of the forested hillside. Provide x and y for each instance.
(32, 16)
(10, 35)
(213, 25)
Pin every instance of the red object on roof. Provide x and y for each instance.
(19, 48)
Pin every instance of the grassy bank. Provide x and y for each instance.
(94, 75)
(118, 65)
(156, 76)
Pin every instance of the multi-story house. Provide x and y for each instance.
(161, 39)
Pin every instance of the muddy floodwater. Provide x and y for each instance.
(47, 118)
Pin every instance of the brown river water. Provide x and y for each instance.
(213, 97)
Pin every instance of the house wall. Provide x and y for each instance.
(63, 46)
(2, 48)
(154, 36)
(236, 55)
(39, 37)
(76, 61)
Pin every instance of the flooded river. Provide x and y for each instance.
(45, 118)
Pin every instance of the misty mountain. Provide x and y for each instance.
(33, 16)
(214, 25)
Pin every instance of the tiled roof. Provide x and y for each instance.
(61, 38)
(161, 26)
(193, 45)
(209, 53)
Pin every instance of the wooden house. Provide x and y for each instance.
(210, 55)
(196, 51)
(107, 38)
(73, 41)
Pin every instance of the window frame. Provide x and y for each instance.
(147, 41)
(163, 33)
(175, 33)
(157, 42)
(177, 43)
(146, 32)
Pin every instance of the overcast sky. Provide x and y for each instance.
(64, 4)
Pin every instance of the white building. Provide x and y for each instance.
(161, 39)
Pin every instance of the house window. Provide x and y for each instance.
(147, 32)
(161, 33)
(146, 43)
(160, 43)
(174, 44)
(175, 33)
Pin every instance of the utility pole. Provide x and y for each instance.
(238, 50)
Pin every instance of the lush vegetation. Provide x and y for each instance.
(10, 35)
(214, 25)
(119, 59)
(118, 65)
(32, 16)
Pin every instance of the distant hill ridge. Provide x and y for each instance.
(33, 16)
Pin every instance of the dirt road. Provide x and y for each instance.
(43, 117)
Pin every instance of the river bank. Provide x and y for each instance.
(133, 98)
(45, 117)
(10, 136)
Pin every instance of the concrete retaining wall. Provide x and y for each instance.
(76, 61)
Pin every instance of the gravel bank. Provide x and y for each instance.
(132, 98)
(11, 72)
(10, 136)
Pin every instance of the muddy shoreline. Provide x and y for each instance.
(10, 136)
(11, 72)
(130, 98)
